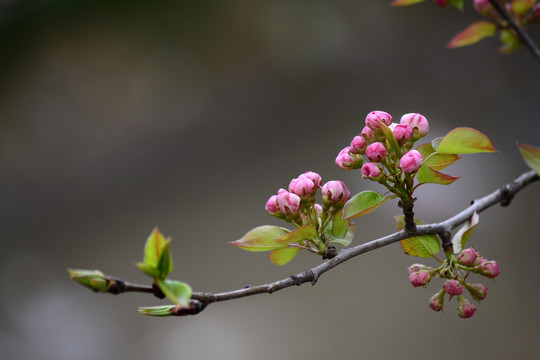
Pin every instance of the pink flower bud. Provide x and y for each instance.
(302, 186)
(466, 308)
(402, 133)
(318, 210)
(347, 160)
(272, 206)
(373, 118)
(467, 257)
(289, 204)
(479, 260)
(441, 3)
(436, 302)
(477, 291)
(316, 178)
(416, 121)
(371, 171)
(420, 278)
(417, 267)
(536, 11)
(358, 145)
(482, 6)
(376, 152)
(367, 133)
(335, 192)
(453, 287)
(410, 162)
(489, 269)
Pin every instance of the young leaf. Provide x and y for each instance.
(510, 42)
(165, 264)
(464, 140)
(426, 175)
(282, 256)
(405, 2)
(153, 248)
(178, 292)
(163, 310)
(438, 161)
(435, 143)
(262, 238)
(340, 226)
(520, 7)
(362, 203)
(462, 235)
(306, 232)
(149, 270)
(346, 239)
(421, 246)
(458, 4)
(391, 139)
(531, 156)
(425, 150)
(472, 34)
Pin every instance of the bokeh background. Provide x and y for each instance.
(119, 116)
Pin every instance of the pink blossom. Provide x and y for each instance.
(416, 267)
(482, 6)
(347, 160)
(335, 192)
(536, 11)
(441, 3)
(453, 287)
(289, 204)
(371, 171)
(410, 162)
(376, 152)
(373, 118)
(358, 145)
(316, 178)
(436, 302)
(367, 133)
(416, 121)
(402, 133)
(467, 257)
(272, 206)
(477, 291)
(420, 278)
(302, 186)
(466, 308)
(489, 269)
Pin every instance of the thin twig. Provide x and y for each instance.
(522, 34)
(502, 195)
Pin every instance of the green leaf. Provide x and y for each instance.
(458, 4)
(149, 270)
(462, 235)
(391, 139)
(421, 246)
(165, 265)
(405, 2)
(262, 238)
(531, 156)
(437, 161)
(472, 34)
(435, 143)
(345, 240)
(362, 203)
(426, 175)
(178, 292)
(510, 42)
(425, 150)
(340, 226)
(520, 7)
(282, 256)
(306, 232)
(164, 310)
(464, 140)
(153, 248)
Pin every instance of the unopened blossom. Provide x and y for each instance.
(410, 162)
(482, 6)
(347, 160)
(420, 278)
(467, 257)
(373, 118)
(335, 192)
(313, 176)
(302, 186)
(272, 206)
(416, 121)
(376, 152)
(371, 171)
(289, 203)
(466, 309)
(477, 291)
(453, 287)
(367, 133)
(489, 269)
(402, 133)
(358, 145)
(436, 302)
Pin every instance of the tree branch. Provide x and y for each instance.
(522, 34)
(200, 300)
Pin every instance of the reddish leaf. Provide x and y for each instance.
(363, 203)
(474, 33)
(425, 150)
(520, 7)
(421, 246)
(405, 2)
(282, 256)
(531, 156)
(306, 232)
(464, 140)
(438, 161)
(261, 238)
(426, 175)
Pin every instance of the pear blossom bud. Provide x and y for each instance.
(316, 178)
(402, 133)
(373, 118)
(489, 269)
(441, 3)
(289, 204)
(335, 192)
(348, 160)
(479, 260)
(416, 121)
(392, 126)
(536, 11)
(302, 186)
(467, 257)
(371, 171)
(482, 6)
(420, 278)
(436, 302)
(318, 210)
(272, 206)
(417, 267)
(410, 162)
(453, 287)
(477, 291)
(358, 145)
(466, 308)
(376, 152)
(367, 133)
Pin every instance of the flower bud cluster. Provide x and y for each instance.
(455, 269)
(297, 205)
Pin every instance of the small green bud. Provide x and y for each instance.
(165, 310)
(93, 279)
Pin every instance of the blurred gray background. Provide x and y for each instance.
(119, 116)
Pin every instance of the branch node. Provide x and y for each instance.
(314, 278)
(506, 196)
(157, 291)
(296, 280)
(116, 286)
